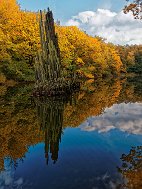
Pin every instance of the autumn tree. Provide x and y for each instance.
(131, 57)
(21, 30)
(86, 54)
(135, 7)
(132, 168)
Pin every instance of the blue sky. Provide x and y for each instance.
(103, 18)
(64, 9)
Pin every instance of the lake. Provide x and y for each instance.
(90, 140)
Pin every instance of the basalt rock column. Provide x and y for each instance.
(47, 62)
(48, 70)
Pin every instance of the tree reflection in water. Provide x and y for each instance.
(50, 114)
(131, 168)
(19, 123)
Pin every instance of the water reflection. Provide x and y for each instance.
(131, 168)
(110, 109)
(50, 114)
(7, 180)
(125, 117)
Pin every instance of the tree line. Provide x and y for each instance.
(88, 56)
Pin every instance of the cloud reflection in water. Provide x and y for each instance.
(125, 117)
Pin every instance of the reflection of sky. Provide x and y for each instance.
(86, 159)
(125, 117)
(7, 179)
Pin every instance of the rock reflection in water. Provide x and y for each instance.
(50, 114)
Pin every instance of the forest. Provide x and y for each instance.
(88, 56)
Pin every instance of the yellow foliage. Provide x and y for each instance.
(2, 78)
(19, 37)
(91, 68)
(88, 52)
(18, 31)
(89, 75)
(79, 62)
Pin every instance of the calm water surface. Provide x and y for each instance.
(92, 140)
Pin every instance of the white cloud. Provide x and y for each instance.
(118, 28)
(125, 117)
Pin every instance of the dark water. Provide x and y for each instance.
(92, 140)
